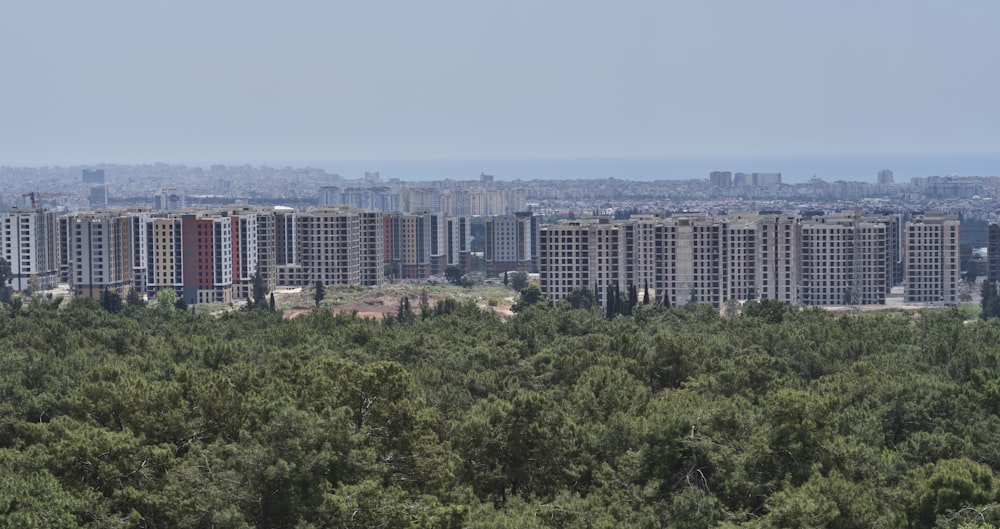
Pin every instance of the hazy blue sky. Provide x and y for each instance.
(320, 80)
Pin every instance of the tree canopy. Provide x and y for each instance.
(555, 417)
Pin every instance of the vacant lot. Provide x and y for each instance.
(376, 301)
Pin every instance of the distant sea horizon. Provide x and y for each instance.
(793, 168)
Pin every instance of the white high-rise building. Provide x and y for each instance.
(30, 245)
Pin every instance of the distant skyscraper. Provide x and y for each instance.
(330, 196)
(766, 179)
(169, 200)
(723, 179)
(93, 176)
(885, 177)
(98, 196)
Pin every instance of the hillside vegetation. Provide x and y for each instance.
(448, 416)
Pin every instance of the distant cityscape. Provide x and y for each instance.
(730, 236)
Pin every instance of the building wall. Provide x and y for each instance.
(993, 253)
(99, 253)
(30, 245)
(844, 261)
(330, 246)
(372, 266)
(741, 256)
(932, 267)
(565, 258)
(778, 257)
(165, 266)
(510, 243)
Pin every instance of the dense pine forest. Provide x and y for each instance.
(448, 416)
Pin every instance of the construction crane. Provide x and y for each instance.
(32, 196)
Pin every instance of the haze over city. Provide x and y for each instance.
(325, 83)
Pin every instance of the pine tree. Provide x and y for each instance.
(991, 301)
(609, 302)
(134, 299)
(320, 292)
(405, 313)
(645, 294)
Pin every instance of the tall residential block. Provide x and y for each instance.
(510, 243)
(336, 246)
(460, 242)
(844, 260)
(93, 176)
(417, 243)
(885, 177)
(993, 252)
(30, 245)
(931, 258)
(834, 259)
(723, 179)
(778, 257)
(372, 247)
(99, 253)
(169, 200)
(164, 263)
(209, 258)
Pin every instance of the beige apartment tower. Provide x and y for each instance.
(931, 258)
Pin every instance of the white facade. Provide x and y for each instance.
(30, 245)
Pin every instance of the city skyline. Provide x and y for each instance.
(251, 82)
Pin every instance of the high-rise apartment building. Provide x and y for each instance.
(567, 258)
(336, 246)
(723, 179)
(209, 257)
(931, 258)
(93, 176)
(777, 259)
(30, 245)
(844, 260)
(164, 263)
(247, 252)
(413, 200)
(693, 259)
(993, 252)
(885, 177)
(817, 260)
(372, 247)
(460, 242)
(766, 179)
(417, 243)
(510, 243)
(330, 196)
(169, 200)
(329, 248)
(98, 253)
(98, 196)
(139, 255)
